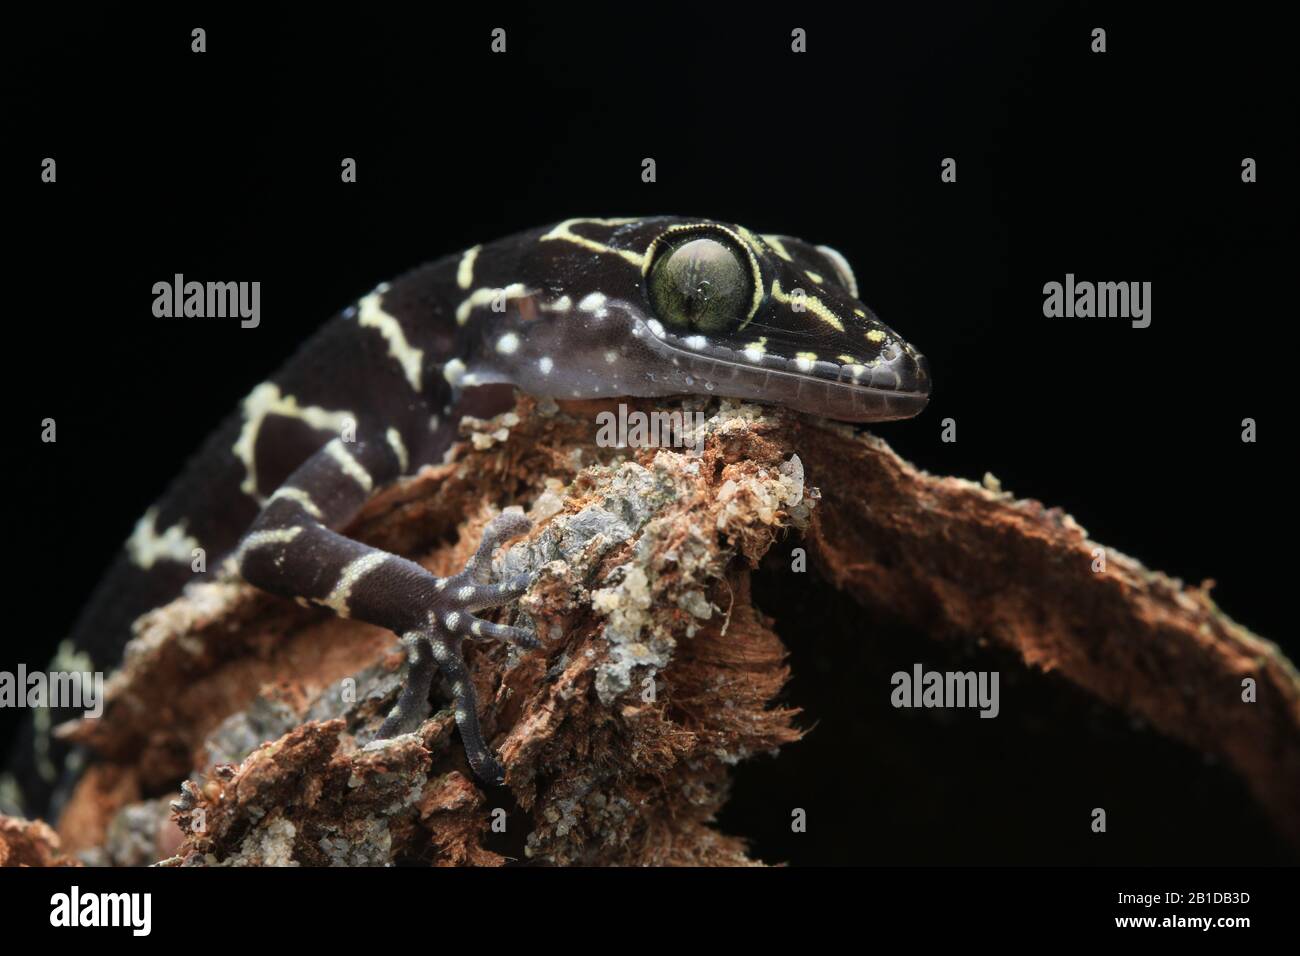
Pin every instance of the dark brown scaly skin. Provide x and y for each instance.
(571, 310)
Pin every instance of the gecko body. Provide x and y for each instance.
(585, 308)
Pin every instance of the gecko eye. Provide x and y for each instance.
(699, 283)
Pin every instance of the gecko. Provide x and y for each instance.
(581, 309)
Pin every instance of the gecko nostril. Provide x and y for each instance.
(907, 372)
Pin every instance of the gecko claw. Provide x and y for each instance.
(438, 646)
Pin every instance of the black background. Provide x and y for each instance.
(1120, 166)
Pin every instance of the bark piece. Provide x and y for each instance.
(958, 559)
(657, 672)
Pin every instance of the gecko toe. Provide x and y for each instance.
(524, 637)
(507, 525)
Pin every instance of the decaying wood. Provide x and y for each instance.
(30, 843)
(657, 672)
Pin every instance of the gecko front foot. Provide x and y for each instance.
(437, 646)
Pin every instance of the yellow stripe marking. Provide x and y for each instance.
(146, 546)
(564, 231)
(290, 493)
(776, 245)
(465, 271)
(486, 296)
(371, 314)
(752, 240)
(813, 304)
(350, 466)
(260, 539)
(348, 578)
(266, 400)
(399, 448)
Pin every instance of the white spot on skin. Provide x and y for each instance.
(697, 342)
(465, 271)
(348, 578)
(611, 357)
(410, 358)
(349, 465)
(146, 545)
(754, 350)
(453, 372)
(451, 620)
(545, 364)
(592, 303)
(804, 361)
(655, 327)
(562, 304)
(508, 344)
(266, 400)
(465, 593)
(476, 628)
(399, 448)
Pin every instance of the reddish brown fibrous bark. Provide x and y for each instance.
(657, 672)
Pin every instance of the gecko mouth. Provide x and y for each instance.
(893, 386)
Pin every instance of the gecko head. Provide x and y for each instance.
(778, 319)
(667, 305)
